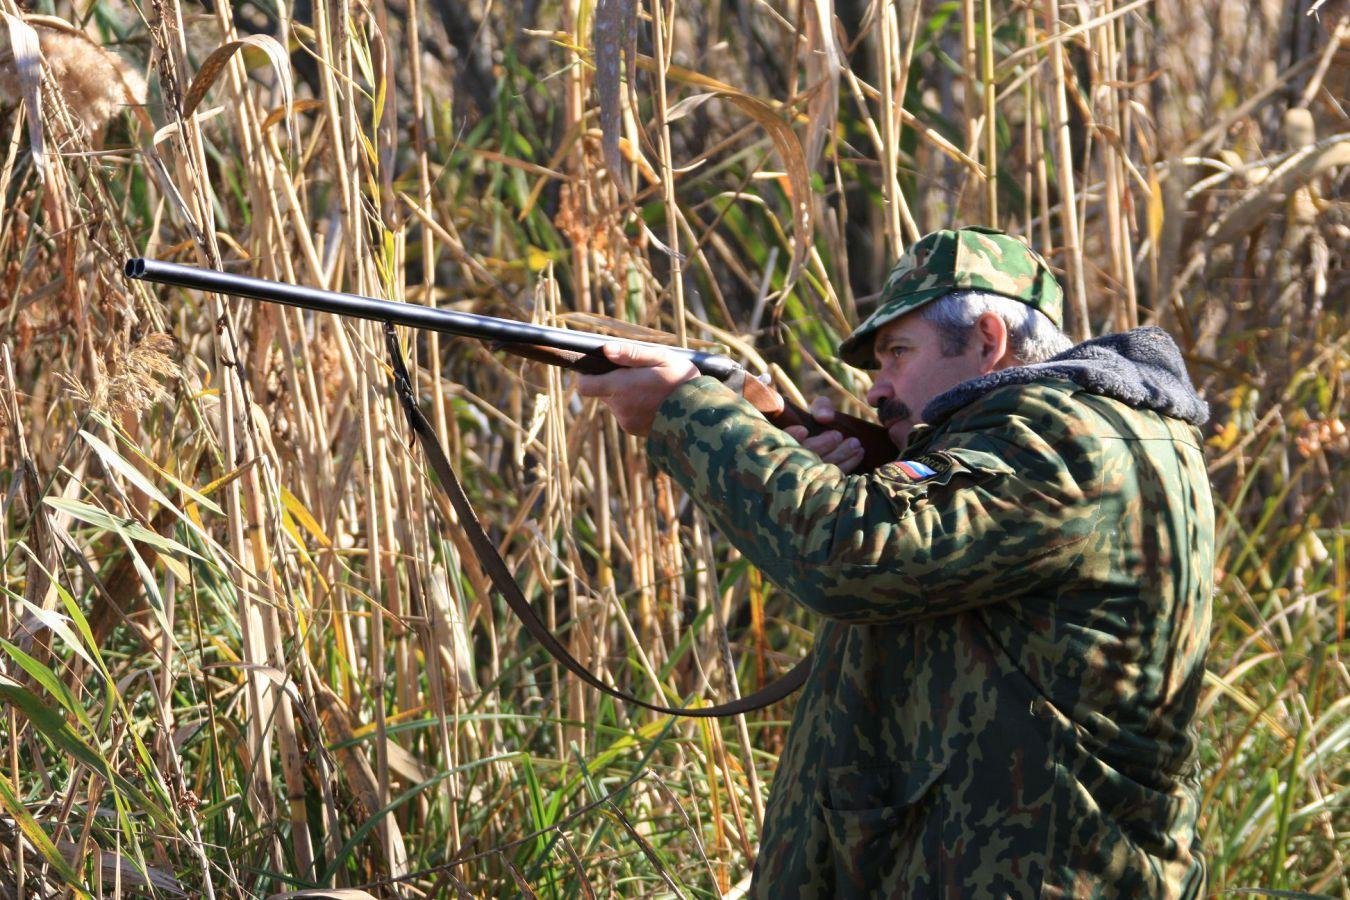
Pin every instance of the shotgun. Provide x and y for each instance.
(578, 351)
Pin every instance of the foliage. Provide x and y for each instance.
(245, 652)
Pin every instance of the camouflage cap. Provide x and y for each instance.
(973, 258)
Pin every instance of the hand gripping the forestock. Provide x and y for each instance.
(577, 351)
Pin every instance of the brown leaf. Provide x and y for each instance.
(220, 57)
(789, 151)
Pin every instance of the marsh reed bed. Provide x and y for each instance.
(244, 650)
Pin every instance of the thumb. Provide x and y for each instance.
(635, 356)
(822, 410)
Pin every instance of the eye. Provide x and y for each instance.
(895, 351)
(890, 353)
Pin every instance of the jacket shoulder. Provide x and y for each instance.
(1062, 409)
(1061, 438)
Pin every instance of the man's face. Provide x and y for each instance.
(913, 370)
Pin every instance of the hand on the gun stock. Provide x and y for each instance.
(635, 392)
(830, 446)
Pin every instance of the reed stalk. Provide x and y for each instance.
(248, 650)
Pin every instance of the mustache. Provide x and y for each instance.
(893, 411)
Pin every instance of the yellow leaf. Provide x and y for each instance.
(1155, 210)
(175, 566)
(227, 478)
(288, 525)
(537, 259)
(1226, 438)
(303, 516)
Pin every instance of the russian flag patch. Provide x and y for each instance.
(915, 469)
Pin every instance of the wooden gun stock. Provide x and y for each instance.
(878, 448)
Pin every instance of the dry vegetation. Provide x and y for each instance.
(244, 650)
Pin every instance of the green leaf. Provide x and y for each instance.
(128, 528)
(186, 489)
(53, 621)
(56, 729)
(52, 725)
(113, 460)
(47, 678)
(39, 839)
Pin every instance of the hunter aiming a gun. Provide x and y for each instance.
(1013, 613)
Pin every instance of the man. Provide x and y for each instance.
(1014, 613)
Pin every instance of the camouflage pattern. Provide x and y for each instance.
(1010, 650)
(973, 258)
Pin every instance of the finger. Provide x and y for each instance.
(594, 386)
(611, 384)
(824, 443)
(796, 432)
(844, 452)
(852, 461)
(822, 410)
(636, 356)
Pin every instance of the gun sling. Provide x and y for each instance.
(506, 585)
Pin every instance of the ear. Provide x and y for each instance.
(991, 337)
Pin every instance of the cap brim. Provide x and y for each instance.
(856, 349)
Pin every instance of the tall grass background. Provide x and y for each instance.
(246, 652)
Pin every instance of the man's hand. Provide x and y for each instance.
(830, 446)
(635, 392)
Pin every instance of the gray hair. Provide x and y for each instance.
(1032, 337)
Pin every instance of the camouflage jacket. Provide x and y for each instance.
(1011, 647)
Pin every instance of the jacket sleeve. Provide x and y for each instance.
(1001, 514)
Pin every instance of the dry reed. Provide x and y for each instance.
(246, 651)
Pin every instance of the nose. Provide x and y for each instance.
(879, 393)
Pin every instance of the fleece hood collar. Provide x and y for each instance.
(1141, 368)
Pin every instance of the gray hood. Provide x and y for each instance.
(1141, 368)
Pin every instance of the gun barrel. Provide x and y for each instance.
(487, 328)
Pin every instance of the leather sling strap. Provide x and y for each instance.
(505, 583)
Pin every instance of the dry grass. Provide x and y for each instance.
(245, 652)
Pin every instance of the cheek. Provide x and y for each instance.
(935, 383)
(919, 381)
(937, 375)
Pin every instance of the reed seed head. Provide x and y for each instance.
(95, 83)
